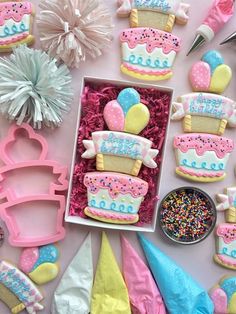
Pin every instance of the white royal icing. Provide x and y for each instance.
(11, 28)
(141, 59)
(228, 249)
(123, 203)
(207, 162)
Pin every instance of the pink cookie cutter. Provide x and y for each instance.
(20, 222)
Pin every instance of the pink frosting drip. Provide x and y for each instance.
(14, 10)
(115, 184)
(113, 216)
(227, 232)
(208, 174)
(203, 143)
(153, 38)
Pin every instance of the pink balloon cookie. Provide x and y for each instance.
(223, 296)
(40, 263)
(210, 74)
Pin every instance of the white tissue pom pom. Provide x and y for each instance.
(33, 88)
(70, 30)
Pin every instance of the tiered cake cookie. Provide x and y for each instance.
(204, 110)
(15, 24)
(202, 156)
(154, 13)
(115, 195)
(226, 232)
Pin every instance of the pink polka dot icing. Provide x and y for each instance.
(114, 116)
(153, 38)
(28, 258)
(203, 143)
(200, 76)
(115, 183)
(14, 10)
(227, 232)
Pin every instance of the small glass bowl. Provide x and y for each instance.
(187, 215)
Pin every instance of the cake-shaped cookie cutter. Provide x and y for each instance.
(16, 19)
(205, 110)
(20, 211)
(226, 232)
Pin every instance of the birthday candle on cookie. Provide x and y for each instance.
(16, 18)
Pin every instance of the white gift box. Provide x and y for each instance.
(94, 223)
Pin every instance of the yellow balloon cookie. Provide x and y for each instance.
(220, 79)
(137, 119)
(44, 273)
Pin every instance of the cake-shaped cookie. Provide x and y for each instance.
(15, 24)
(148, 53)
(205, 110)
(202, 157)
(156, 14)
(114, 197)
(120, 149)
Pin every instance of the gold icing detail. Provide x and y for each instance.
(99, 162)
(187, 123)
(170, 23)
(113, 221)
(145, 77)
(18, 308)
(199, 179)
(230, 215)
(222, 127)
(136, 167)
(133, 19)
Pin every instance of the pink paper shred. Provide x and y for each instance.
(94, 98)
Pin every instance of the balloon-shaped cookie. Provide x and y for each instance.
(40, 263)
(127, 113)
(210, 74)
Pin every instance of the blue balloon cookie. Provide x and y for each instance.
(127, 98)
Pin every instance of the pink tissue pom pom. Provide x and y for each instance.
(70, 30)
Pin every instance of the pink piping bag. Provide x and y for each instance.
(218, 15)
(144, 295)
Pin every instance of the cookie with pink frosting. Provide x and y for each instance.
(16, 19)
(114, 197)
(223, 296)
(202, 157)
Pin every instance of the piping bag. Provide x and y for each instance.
(218, 15)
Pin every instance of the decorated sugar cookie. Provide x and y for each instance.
(223, 296)
(148, 53)
(202, 157)
(16, 19)
(114, 197)
(118, 151)
(211, 74)
(114, 193)
(40, 263)
(17, 291)
(152, 11)
(206, 111)
(226, 232)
